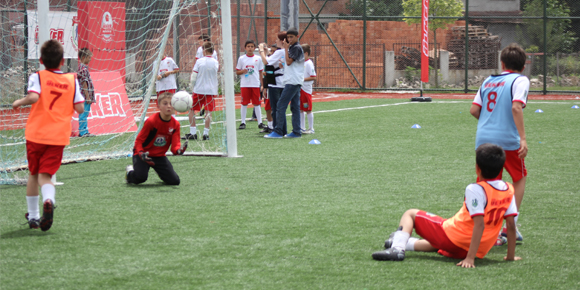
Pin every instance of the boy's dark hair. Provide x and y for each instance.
(208, 46)
(282, 35)
(51, 54)
(204, 36)
(514, 57)
(306, 48)
(292, 31)
(84, 52)
(248, 42)
(490, 159)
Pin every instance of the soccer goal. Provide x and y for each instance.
(128, 40)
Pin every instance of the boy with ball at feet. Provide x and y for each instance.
(473, 230)
(159, 133)
(54, 97)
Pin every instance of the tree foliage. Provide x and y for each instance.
(375, 8)
(449, 8)
(559, 36)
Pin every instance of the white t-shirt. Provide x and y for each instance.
(276, 59)
(207, 80)
(476, 200)
(34, 86)
(255, 66)
(308, 72)
(167, 83)
(199, 53)
(519, 91)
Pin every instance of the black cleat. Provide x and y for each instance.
(242, 126)
(32, 223)
(391, 254)
(47, 213)
(262, 126)
(389, 241)
(266, 130)
(189, 137)
(205, 137)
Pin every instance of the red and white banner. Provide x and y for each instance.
(111, 113)
(63, 27)
(425, 42)
(102, 30)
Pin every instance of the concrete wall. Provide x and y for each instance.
(493, 5)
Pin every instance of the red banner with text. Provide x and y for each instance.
(111, 112)
(425, 42)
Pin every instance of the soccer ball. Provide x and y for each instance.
(181, 101)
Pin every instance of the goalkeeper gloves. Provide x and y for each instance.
(181, 150)
(145, 157)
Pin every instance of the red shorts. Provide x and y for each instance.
(166, 91)
(43, 158)
(251, 95)
(430, 228)
(305, 101)
(514, 165)
(205, 101)
(267, 105)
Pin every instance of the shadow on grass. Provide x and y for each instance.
(23, 233)
(439, 258)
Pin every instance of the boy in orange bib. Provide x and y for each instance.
(473, 230)
(54, 97)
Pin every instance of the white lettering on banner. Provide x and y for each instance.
(425, 41)
(108, 105)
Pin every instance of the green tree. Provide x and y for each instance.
(559, 36)
(446, 8)
(375, 8)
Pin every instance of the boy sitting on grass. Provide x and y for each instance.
(159, 132)
(473, 230)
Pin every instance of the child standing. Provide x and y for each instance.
(498, 106)
(159, 132)
(87, 89)
(205, 88)
(274, 69)
(251, 67)
(306, 92)
(54, 97)
(473, 230)
(166, 80)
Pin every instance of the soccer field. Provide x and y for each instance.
(290, 215)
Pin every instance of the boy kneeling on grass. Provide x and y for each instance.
(159, 132)
(473, 231)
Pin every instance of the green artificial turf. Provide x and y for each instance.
(290, 215)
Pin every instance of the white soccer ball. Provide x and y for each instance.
(181, 101)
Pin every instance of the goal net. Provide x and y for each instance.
(128, 39)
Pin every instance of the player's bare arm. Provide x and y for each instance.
(30, 99)
(478, 226)
(168, 73)
(241, 72)
(309, 79)
(475, 110)
(263, 53)
(79, 108)
(518, 113)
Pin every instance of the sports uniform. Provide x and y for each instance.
(206, 85)
(199, 54)
(306, 98)
(250, 85)
(156, 137)
(48, 128)
(169, 83)
(496, 123)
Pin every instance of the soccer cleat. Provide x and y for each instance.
(292, 135)
(242, 126)
(519, 236)
(128, 169)
(273, 135)
(47, 213)
(391, 254)
(500, 241)
(266, 130)
(32, 223)
(88, 135)
(389, 241)
(262, 126)
(189, 136)
(310, 131)
(205, 137)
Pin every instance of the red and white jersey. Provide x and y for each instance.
(158, 135)
(170, 82)
(199, 53)
(308, 72)
(207, 76)
(520, 90)
(34, 86)
(255, 66)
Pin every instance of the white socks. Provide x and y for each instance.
(271, 124)
(192, 130)
(243, 111)
(33, 209)
(205, 131)
(411, 244)
(302, 123)
(258, 111)
(48, 192)
(400, 240)
(311, 120)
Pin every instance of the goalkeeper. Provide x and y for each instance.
(159, 133)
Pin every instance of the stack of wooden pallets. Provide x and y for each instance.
(483, 48)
